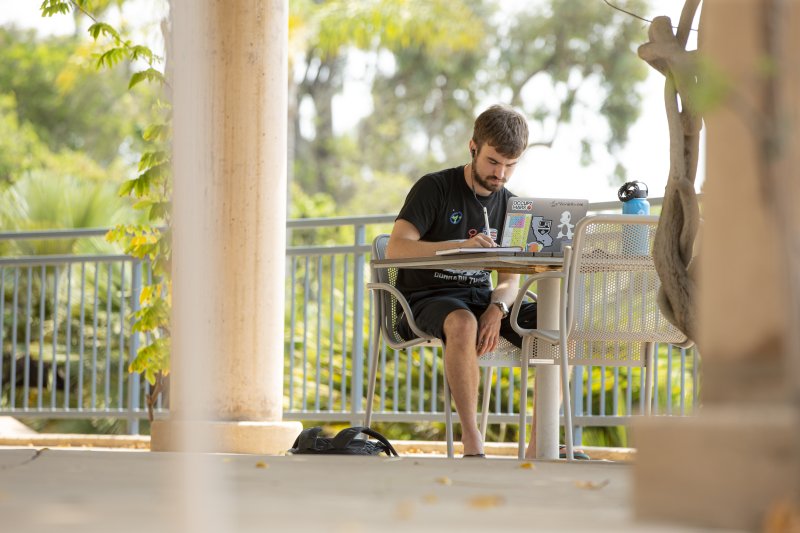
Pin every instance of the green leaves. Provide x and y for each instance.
(153, 316)
(152, 358)
(152, 189)
(101, 28)
(151, 75)
(142, 52)
(111, 57)
(150, 159)
(55, 7)
(156, 132)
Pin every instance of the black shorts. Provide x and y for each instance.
(431, 309)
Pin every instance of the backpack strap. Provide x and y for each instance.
(345, 436)
(307, 440)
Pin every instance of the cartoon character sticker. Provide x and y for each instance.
(565, 228)
(541, 232)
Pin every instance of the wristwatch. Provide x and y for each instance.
(503, 308)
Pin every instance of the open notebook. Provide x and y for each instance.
(479, 250)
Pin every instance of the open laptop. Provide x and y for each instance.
(542, 225)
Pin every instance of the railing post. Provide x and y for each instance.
(134, 382)
(357, 380)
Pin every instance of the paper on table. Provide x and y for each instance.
(479, 250)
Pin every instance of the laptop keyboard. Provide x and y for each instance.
(543, 254)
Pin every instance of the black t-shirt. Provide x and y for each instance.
(443, 208)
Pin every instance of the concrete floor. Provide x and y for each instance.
(43, 490)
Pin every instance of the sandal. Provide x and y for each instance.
(577, 454)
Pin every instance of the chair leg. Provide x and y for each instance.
(374, 349)
(487, 383)
(649, 363)
(448, 417)
(565, 395)
(523, 406)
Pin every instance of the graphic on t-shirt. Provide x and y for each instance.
(455, 217)
(565, 226)
(516, 232)
(464, 278)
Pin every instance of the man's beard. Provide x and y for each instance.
(484, 182)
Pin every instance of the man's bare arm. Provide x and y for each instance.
(405, 242)
(507, 287)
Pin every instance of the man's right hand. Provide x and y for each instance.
(480, 240)
(405, 242)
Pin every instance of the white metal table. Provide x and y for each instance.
(546, 385)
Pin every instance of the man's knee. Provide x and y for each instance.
(461, 325)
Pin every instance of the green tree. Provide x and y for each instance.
(21, 150)
(548, 58)
(325, 36)
(65, 100)
(150, 188)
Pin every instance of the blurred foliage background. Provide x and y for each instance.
(380, 93)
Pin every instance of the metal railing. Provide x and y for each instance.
(66, 340)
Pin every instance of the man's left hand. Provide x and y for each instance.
(489, 330)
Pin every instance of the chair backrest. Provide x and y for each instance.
(612, 291)
(387, 302)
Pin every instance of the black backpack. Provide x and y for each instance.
(344, 443)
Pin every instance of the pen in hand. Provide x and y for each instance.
(486, 222)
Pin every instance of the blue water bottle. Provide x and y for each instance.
(633, 196)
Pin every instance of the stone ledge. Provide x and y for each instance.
(413, 447)
(69, 440)
(508, 449)
(270, 438)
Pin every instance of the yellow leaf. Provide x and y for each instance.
(486, 502)
(404, 510)
(444, 480)
(262, 464)
(430, 499)
(781, 516)
(527, 466)
(591, 485)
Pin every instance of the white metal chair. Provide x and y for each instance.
(385, 320)
(608, 314)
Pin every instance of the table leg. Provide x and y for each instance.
(547, 399)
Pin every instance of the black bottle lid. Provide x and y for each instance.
(631, 190)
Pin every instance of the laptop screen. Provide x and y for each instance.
(542, 225)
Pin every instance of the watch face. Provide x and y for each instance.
(503, 307)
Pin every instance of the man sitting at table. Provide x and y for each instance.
(449, 209)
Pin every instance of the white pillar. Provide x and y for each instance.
(735, 465)
(230, 158)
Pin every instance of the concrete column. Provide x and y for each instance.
(735, 465)
(230, 117)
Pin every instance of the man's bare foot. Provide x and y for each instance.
(472, 442)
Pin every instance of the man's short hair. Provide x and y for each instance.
(503, 128)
